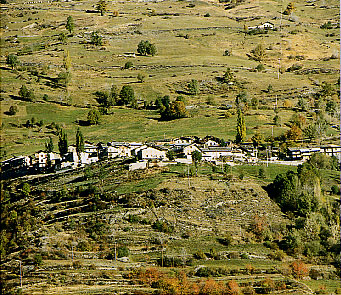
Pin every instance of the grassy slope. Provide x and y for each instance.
(178, 61)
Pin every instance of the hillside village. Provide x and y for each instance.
(211, 156)
(161, 153)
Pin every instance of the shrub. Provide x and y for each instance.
(77, 264)
(227, 52)
(211, 272)
(122, 251)
(12, 110)
(200, 255)
(37, 259)
(227, 240)
(162, 226)
(260, 68)
(128, 65)
(277, 255)
(299, 269)
(335, 189)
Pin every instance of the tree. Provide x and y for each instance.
(101, 6)
(93, 117)
(141, 77)
(331, 107)
(294, 133)
(254, 102)
(62, 37)
(193, 87)
(67, 61)
(299, 269)
(257, 139)
(178, 109)
(258, 53)
(290, 8)
(171, 110)
(146, 48)
(62, 142)
(196, 158)
(64, 77)
(49, 145)
(228, 76)
(12, 60)
(96, 39)
(241, 128)
(79, 141)
(170, 155)
(26, 189)
(261, 173)
(127, 95)
(12, 110)
(70, 24)
(25, 93)
(277, 120)
(128, 65)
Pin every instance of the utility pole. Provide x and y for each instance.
(115, 251)
(189, 184)
(72, 253)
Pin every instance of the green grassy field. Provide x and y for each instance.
(178, 60)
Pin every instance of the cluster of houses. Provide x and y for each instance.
(157, 153)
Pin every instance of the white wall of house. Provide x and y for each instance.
(188, 150)
(151, 153)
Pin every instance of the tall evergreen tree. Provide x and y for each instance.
(79, 141)
(241, 128)
(62, 143)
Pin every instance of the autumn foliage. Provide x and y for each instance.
(180, 283)
(299, 269)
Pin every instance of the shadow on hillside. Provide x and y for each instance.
(82, 122)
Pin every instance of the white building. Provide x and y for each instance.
(189, 149)
(151, 153)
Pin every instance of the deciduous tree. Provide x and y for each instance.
(12, 60)
(62, 143)
(93, 117)
(70, 24)
(127, 95)
(241, 128)
(79, 141)
(49, 145)
(101, 6)
(258, 53)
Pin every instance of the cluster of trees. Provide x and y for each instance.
(170, 110)
(299, 194)
(146, 48)
(113, 97)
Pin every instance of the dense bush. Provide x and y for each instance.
(163, 226)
